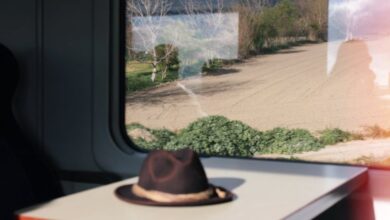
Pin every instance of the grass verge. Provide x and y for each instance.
(138, 76)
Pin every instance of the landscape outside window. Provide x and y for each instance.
(294, 79)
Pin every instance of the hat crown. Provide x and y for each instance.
(179, 172)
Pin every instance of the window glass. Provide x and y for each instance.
(293, 79)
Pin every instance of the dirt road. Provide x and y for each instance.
(289, 89)
(351, 152)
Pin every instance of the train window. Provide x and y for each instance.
(292, 79)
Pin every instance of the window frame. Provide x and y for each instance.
(118, 79)
(117, 101)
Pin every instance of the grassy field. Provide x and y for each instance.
(138, 76)
(135, 67)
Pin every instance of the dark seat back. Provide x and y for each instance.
(25, 177)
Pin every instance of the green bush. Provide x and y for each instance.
(213, 65)
(140, 81)
(334, 136)
(216, 135)
(167, 60)
(289, 141)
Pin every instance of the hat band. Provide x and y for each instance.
(159, 196)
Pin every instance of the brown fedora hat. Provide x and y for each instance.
(173, 179)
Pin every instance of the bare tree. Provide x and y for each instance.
(148, 18)
(249, 19)
(212, 11)
(314, 17)
(255, 5)
(213, 17)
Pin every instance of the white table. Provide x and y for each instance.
(264, 189)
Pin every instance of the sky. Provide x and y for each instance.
(367, 20)
(364, 18)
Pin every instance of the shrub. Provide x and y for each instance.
(376, 131)
(290, 141)
(216, 135)
(336, 135)
(212, 65)
(140, 81)
(168, 58)
(248, 23)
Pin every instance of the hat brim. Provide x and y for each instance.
(125, 193)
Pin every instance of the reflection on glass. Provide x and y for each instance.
(366, 21)
(295, 79)
(197, 38)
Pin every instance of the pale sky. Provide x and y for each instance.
(367, 20)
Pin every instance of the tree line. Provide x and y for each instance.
(264, 26)
(287, 22)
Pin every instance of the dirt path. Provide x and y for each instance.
(355, 151)
(288, 89)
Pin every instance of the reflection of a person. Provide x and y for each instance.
(352, 76)
(350, 89)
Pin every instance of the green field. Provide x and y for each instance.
(138, 76)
